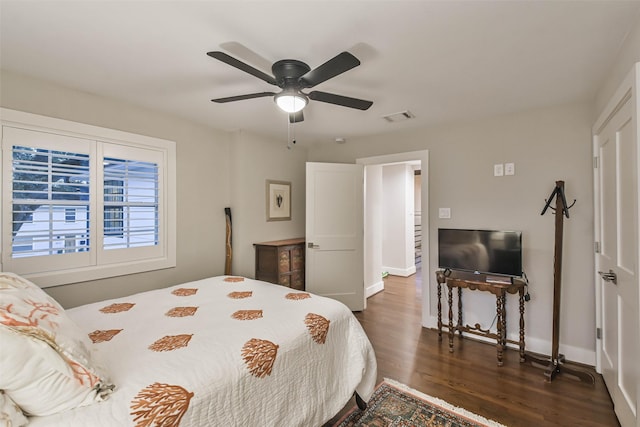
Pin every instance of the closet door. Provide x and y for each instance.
(616, 213)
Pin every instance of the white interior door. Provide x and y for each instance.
(617, 213)
(334, 232)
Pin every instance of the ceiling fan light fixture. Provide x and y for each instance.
(291, 102)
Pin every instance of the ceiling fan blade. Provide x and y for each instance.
(333, 67)
(344, 101)
(247, 55)
(296, 117)
(221, 56)
(241, 97)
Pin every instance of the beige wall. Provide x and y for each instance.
(208, 175)
(546, 145)
(253, 161)
(628, 55)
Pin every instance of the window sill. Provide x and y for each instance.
(57, 278)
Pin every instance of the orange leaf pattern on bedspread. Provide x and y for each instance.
(99, 336)
(41, 312)
(297, 296)
(318, 327)
(160, 405)
(171, 342)
(234, 279)
(184, 292)
(117, 307)
(181, 311)
(240, 295)
(247, 314)
(259, 356)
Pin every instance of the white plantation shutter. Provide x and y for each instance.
(43, 175)
(77, 208)
(132, 214)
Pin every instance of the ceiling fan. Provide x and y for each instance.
(292, 76)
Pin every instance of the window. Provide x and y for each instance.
(79, 207)
(45, 184)
(130, 203)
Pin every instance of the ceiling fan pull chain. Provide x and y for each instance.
(288, 134)
(293, 133)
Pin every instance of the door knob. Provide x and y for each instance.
(310, 245)
(609, 277)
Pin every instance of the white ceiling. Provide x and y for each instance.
(442, 60)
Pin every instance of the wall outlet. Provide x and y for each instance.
(444, 213)
(509, 168)
(498, 170)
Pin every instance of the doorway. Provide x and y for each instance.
(398, 213)
(373, 240)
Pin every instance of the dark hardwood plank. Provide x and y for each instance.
(515, 394)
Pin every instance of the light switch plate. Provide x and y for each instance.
(498, 169)
(444, 213)
(509, 168)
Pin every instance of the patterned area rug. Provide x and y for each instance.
(395, 404)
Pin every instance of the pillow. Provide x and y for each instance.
(46, 360)
(10, 413)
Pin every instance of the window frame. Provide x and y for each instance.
(100, 266)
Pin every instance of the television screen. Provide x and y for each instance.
(481, 251)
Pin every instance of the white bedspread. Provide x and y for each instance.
(216, 352)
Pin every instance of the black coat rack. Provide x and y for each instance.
(555, 364)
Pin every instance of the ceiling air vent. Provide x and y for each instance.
(399, 117)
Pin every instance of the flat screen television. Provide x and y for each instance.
(480, 251)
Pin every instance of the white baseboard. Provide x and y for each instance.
(430, 322)
(373, 289)
(402, 272)
(571, 353)
(535, 345)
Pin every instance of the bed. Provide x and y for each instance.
(224, 350)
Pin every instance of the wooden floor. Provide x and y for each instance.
(514, 394)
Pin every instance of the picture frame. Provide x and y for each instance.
(278, 200)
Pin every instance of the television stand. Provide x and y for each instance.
(459, 280)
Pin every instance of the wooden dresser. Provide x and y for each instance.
(281, 262)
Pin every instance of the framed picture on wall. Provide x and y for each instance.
(278, 200)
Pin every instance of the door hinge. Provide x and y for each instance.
(598, 333)
(596, 247)
(595, 162)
